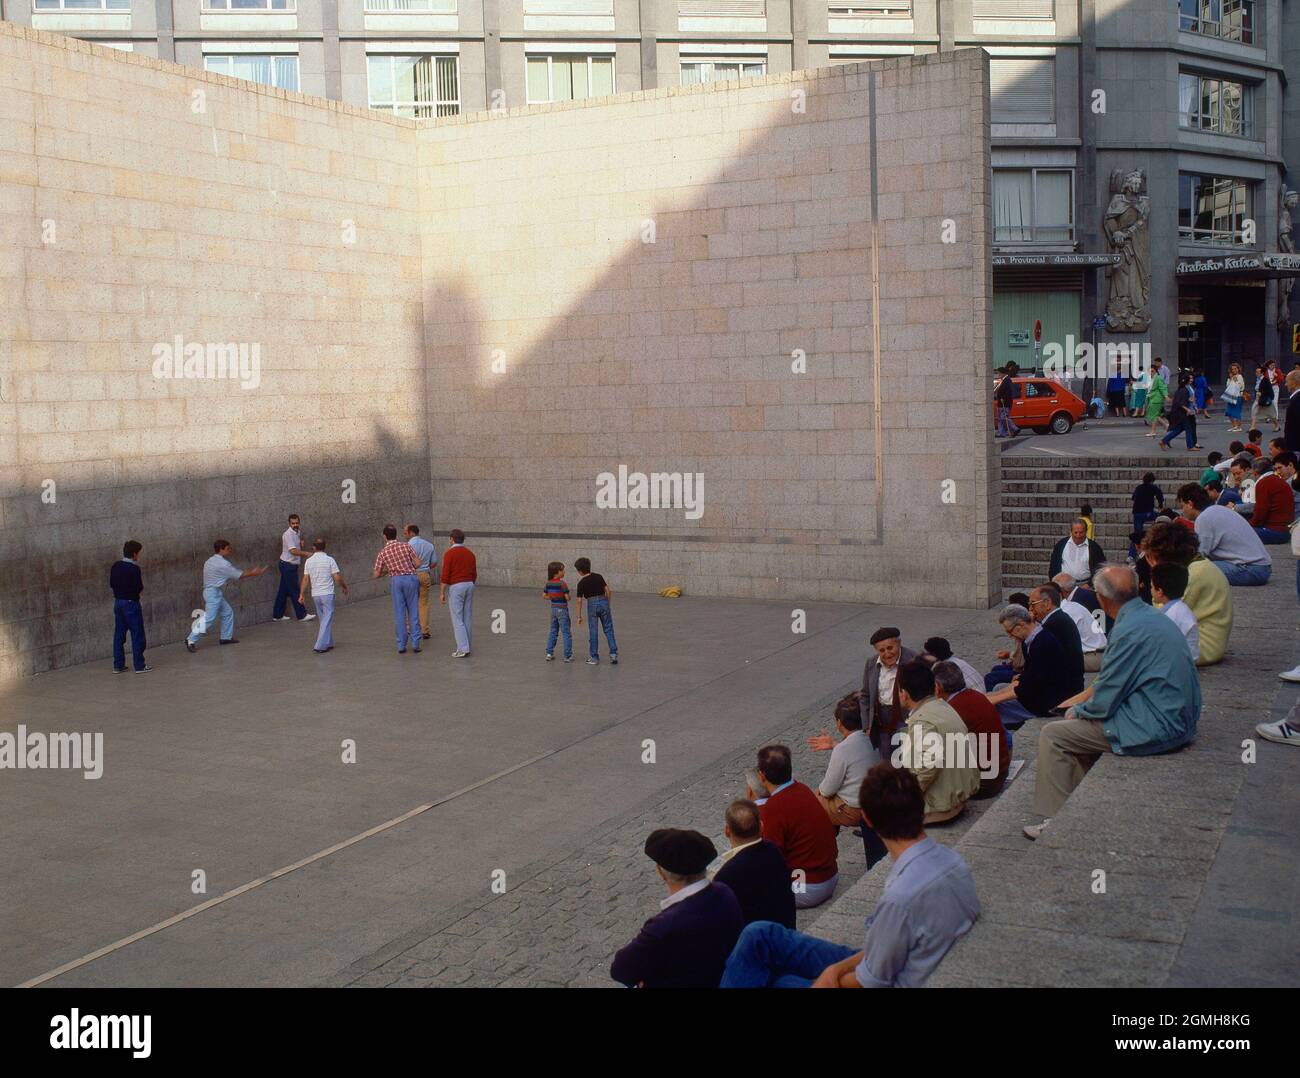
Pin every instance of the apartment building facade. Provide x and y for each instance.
(1171, 114)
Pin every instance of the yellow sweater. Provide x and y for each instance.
(1210, 598)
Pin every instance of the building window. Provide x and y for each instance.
(1212, 209)
(697, 71)
(1022, 90)
(569, 78)
(1210, 104)
(414, 86)
(866, 9)
(1012, 9)
(1033, 205)
(278, 71)
(82, 5)
(1232, 20)
(250, 5)
(442, 7)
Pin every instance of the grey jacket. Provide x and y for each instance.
(871, 689)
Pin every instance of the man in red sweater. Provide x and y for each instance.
(459, 572)
(1274, 507)
(993, 743)
(795, 821)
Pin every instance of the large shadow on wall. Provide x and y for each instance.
(662, 335)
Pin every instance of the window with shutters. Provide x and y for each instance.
(415, 7)
(884, 9)
(1012, 9)
(568, 7)
(1033, 205)
(742, 8)
(1022, 90)
(266, 68)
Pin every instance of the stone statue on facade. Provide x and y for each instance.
(1286, 245)
(1127, 299)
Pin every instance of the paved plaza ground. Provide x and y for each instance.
(1124, 437)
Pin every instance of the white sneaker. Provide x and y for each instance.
(1035, 830)
(309, 617)
(1291, 675)
(1279, 732)
(285, 618)
(459, 654)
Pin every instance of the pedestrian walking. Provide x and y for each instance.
(291, 555)
(323, 574)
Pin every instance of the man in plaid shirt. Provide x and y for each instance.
(398, 560)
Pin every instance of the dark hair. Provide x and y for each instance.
(1244, 462)
(1194, 495)
(1170, 577)
(1214, 484)
(848, 712)
(938, 647)
(743, 819)
(949, 677)
(1149, 477)
(131, 548)
(552, 568)
(293, 516)
(414, 529)
(892, 802)
(916, 679)
(457, 536)
(1277, 441)
(1255, 435)
(774, 764)
(219, 545)
(1285, 457)
(1019, 598)
(1171, 542)
(583, 565)
(1215, 457)
(390, 531)
(1235, 447)
(318, 544)
(1085, 510)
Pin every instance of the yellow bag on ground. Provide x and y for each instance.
(673, 591)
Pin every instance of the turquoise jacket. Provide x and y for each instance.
(1148, 694)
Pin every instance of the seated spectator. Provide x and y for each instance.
(1254, 442)
(1225, 538)
(851, 758)
(1276, 446)
(1046, 679)
(1071, 627)
(938, 650)
(1146, 498)
(1211, 472)
(992, 742)
(1274, 504)
(1208, 595)
(754, 869)
(1074, 590)
(935, 746)
(686, 944)
(881, 712)
(928, 903)
(1011, 660)
(1242, 477)
(1220, 494)
(1076, 554)
(1286, 466)
(1146, 700)
(794, 820)
(1168, 585)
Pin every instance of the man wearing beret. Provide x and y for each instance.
(928, 903)
(687, 943)
(882, 713)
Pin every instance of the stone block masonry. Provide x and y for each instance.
(464, 319)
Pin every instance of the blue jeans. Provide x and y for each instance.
(406, 610)
(560, 624)
(288, 590)
(325, 611)
(598, 615)
(215, 607)
(1186, 427)
(999, 675)
(1245, 576)
(1273, 536)
(460, 600)
(769, 955)
(1013, 713)
(128, 617)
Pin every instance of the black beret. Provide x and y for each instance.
(885, 634)
(684, 853)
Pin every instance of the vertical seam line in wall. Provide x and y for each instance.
(879, 537)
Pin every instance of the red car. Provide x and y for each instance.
(1044, 405)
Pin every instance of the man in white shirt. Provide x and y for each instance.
(938, 650)
(1092, 632)
(217, 573)
(851, 758)
(323, 573)
(1076, 554)
(291, 555)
